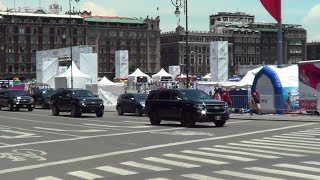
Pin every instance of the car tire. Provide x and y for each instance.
(0, 108)
(220, 123)
(43, 105)
(99, 113)
(75, 112)
(119, 110)
(138, 112)
(154, 118)
(188, 120)
(55, 110)
(10, 107)
(30, 109)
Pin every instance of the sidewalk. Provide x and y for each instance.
(277, 117)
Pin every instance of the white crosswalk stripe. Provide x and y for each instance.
(285, 173)
(301, 138)
(260, 151)
(245, 175)
(170, 162)
(84, 175)
(200, 177)
(312, 162)
(291, 140)
(47, 178)
(237, 158)
(307, 133)
(159, 179)
(298, 135)
(240, 152)
(144, 166)
(283, 145)
(208, 161)
(115, 170)
(293, 166)
(285, 142)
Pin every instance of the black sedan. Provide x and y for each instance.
(131, 103)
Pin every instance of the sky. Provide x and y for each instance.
(301, 12)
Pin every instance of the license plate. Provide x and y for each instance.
(24, 105)
(217, 118)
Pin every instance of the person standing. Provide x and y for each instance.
(217, 94)
(255, 103)
(226, 97)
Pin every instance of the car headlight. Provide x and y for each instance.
(142, 104)
(82, 103)
(15, 100)
(18, 97)
(32, 100)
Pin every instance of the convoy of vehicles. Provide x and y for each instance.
(16, 99)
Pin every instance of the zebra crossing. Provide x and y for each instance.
(285, 145)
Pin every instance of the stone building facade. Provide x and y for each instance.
(313, 51)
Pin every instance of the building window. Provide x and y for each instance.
(245, 50)
(21, 49)
(21, 30)
(257, 50)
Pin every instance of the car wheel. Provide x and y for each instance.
(99, 113)
(154, 118)
(43, 105)
(10, 106)
(138, 112)
(74, 111)
(0, 107)
(119, 110)
(30, 109)
(55, 110)
(188, 120)
(220, 123)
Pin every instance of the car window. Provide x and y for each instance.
(18, 93)
(152, 95)
(194, 95)
(82, 93)
(175, 95)
(140, 97)
(164, 95)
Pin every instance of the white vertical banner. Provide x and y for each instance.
(219, 61)
(89, 65)
(122, 63)
(174, 71)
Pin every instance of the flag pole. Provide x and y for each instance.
(279, 45)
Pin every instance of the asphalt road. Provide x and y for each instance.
(36, 145)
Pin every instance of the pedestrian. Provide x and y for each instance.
(255, 103)
(288, 102)
(226, 97)
(217, 94)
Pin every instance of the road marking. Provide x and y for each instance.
(259, 150)
(292, 166)
(171, 162)
(307, 133)
(312, 162)
(144, 166)
(245, 175)
(302, 138)
(66, 161)
(290, 140)
(71, 130)
(84, 175)
(20, 135)
(115, 170)
(236, 158)
(48, 178)
(208, 161)
(315, 144)
(273, 147)
(298, 135)
(281, 145)
(285, 173)
(200, 177)
(108, 126)
(158, 179)
(239, 152)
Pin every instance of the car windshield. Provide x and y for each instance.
(82, 93)
(141, 97)
(194, 95)
(18, 93)
(48, 93)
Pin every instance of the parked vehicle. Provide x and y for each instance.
(16, 99)
(43, 98)
(185, 105)
(131, 103)
(76, 101)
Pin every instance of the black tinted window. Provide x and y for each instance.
(175, 95)
(142, 97)
(164, 95)
(17, 93)
(194, 95)
(82, 93)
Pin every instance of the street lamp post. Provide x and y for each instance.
(71, 43)
(178, 4)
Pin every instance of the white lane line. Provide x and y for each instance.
(144, 166)
(158, 179)
(108, 126)
(48, 178)
(115, 170)
(5, 144)
(200, 177)
(260, 151)
(286, 142)
(239, 152)
(307, 133)
(293, 166)
(96, 156)
(298, 135)
(285, 173)
(72, 130)
(170, 162)
(302, 138)
(208, 161)
(281, 145)
(236, 158)
(84, 175)
(273, 147)
(312, 162)
(245, 175)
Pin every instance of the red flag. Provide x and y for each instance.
(274, 8)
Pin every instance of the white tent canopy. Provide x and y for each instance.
(161, 74)
(79, 78)
(104, 81)
(138, 76)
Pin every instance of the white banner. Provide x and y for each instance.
(174, 71)
(122, 63)
(89, 65)
(219, 61)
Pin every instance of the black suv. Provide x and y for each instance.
(76, 101)
(185, 105)
(15, 99)
(131, 103)
(43, 98)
